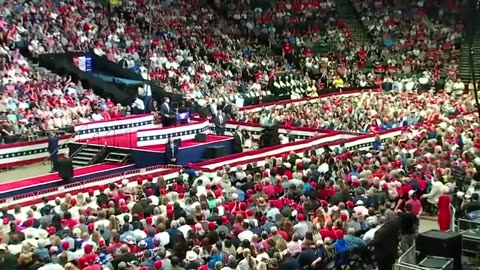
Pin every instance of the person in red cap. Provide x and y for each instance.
(88, 258)
(301, 228)
(158, 265)
(211, 226)
(115, 244)
(225, 222)
(340, 246)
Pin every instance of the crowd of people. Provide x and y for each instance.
(192, 48)
(310, 210)
(34, 102)
(313, 210)
(366, 112)
(414, 37)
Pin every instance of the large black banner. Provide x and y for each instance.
(62, 64)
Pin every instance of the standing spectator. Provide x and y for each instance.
(409, 223)
(220, 122)
(385, 243)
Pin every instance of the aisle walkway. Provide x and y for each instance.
(24, 172)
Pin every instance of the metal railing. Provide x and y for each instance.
(84, 145)
(73, 135)
(408, 260)
(453, 226)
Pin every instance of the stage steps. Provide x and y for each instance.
(87, 155)
(117, 157)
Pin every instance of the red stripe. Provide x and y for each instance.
(73, 192)
(21, 144)
(24, 162)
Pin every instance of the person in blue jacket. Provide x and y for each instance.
(340, 247)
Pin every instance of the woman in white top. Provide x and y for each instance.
(247, 263)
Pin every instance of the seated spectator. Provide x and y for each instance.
(381, 112)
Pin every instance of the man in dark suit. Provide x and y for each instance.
(166, 112)
(238, 141)
(220, 122)
(53, 150)
(385, 243)
(171, 152)
(65, 169)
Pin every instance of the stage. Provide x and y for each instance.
(190, 151)
(50, 180)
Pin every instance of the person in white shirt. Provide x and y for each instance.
(458, 88)
(138, 106)
(370, 234)
(246, 234)
(202, 180)
(409, 85)
(147, 99)
(97, 116)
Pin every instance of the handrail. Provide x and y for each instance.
(85, 144)
(453, 212)
(73, 135)
(97, 136)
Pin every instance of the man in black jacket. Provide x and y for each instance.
(238, 141)
(385, 243)
(409, 223)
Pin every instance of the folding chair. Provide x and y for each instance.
(340, 262)
(356, 259)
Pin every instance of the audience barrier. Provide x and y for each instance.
(104, 127)
(31, 198)
(269, 105)
(156, 136)
(26, 153)
(259, 156)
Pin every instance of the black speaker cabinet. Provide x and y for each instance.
(201, 137)
(215, 152)
(440, 244)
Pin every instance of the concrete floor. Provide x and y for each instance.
(28, 171)
(427, 224)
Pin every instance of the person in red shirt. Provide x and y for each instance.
(115, 114)
(88, 259)
(417, 208)
(115, 245)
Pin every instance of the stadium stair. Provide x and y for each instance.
(464, 62)
(347, 13)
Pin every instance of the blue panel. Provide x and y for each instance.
(185, 155)
(145, 159)
(197, 153)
